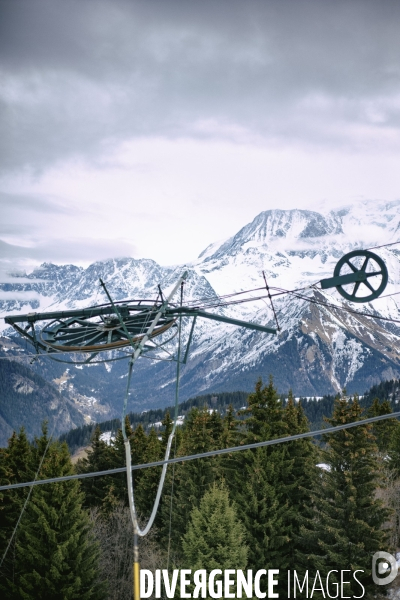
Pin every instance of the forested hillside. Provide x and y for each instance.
(315, 409)
(385, 390)
(81, 436)
(272, 503)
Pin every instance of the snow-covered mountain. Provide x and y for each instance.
(319, 349)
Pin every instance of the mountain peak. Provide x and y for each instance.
(274, 225)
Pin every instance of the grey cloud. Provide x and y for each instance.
(78, 74)
(12, 250)
(10, 203)
(63, 250)
(20, 215)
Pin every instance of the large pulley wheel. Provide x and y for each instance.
(361, 276)
(100, 333)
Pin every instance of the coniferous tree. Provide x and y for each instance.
(296, 485)
(394, 452)
(384, 431)
(229, 437)
(99, 458)
(191, 479)
(16, 466)
(216, 428)
(138, 449)
(266, 420)
(215, 537)
(259, 507)
(344, 527)
(300, 478)
(261, 493)
(55, 555)
(167, 424)
(146, 490)
(117, 487)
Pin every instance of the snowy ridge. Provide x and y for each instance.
(319, 350)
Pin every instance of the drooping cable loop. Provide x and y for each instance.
(135, 356)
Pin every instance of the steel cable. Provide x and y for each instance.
(136, 527)
(341, 308)
(182, 459)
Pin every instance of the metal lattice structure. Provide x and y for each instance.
(112, 326)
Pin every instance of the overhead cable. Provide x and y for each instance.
(182, 459)
(383, 246)
(272, 304)
(342, 308)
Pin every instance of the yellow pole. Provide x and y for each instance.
(136, 586)
(136, 569)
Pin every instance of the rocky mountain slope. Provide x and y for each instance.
(27, 399)
(320, 349)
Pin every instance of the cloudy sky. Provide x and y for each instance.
(153, 128)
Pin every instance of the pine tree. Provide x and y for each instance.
(266, 420)
(167, 424)
(302, 455)
(259, 507)
(297, 486)
(138, 449)
(99, 458)
(191, 479)
(55, 555)
(394, 452)
(385, 431)
(146, 489)
(260, 490)
(16, 466)
(116, 484)
(229, 437)
(139, 441)
(215, 537)
(216, 428)
(344, 528)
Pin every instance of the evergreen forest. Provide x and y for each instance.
(326, 504)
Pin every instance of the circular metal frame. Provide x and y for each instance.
(368, 256)
(105, 332)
